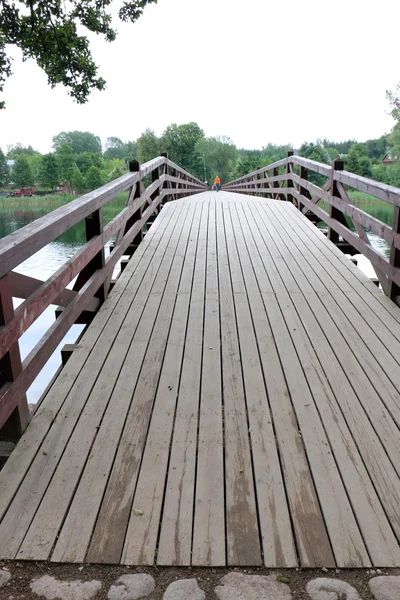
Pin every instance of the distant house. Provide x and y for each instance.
(390, 159)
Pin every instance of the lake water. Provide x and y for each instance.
(15, 214)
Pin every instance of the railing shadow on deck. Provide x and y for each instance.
(91, 268)
(289, 179)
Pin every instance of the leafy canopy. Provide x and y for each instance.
(47, 30)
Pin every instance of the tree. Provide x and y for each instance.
(66, 163)
(4, 169)
(50, 172)
(21, 172)
(14, 151)
(180, 143)
(148, 146)
(115, 148)
(394, 99)
(94, 178)
(47, 30)
(85, 160)
(77, 180)
(394, 140)
(80, 141)
(220, 156)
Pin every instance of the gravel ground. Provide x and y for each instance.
(24, 572)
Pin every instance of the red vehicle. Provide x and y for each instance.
(23, 192)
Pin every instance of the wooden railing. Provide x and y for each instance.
(90, 266)
(289, 179)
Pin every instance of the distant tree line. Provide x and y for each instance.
(80, 163)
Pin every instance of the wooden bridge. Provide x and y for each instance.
(236, 398)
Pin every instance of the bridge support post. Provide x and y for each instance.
(134, 167)
(289, 182)
(276, 183)
(164, 171)
(14, 420)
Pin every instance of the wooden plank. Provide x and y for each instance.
(347, 544)
(142, 534)
(353, 275)
(107, 542)
(362, 427)
(175, 544)
(71, 547)
(276, 531)
(99, 425)
(209, 516)
(374, 343)
(312, 540)
(40, 448)
(377, 533)
(243, 536)
(348, 276)
(17, 466)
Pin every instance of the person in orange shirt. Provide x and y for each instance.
(217, 183)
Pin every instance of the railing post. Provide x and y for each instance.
(93, 227)
(393, 289)
(335, 213)
(289, 182)
(12, 422)
(303, 190)
(258, 176)
(134, 167)
(164, 171)
(276, 183)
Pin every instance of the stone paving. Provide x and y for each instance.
(233, 586)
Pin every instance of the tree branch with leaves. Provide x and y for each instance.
(47, 31)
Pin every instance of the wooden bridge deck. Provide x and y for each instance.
(234, 402)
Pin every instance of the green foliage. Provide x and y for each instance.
(66, 162)
(88, 159)
(394, 100)
(17, 149)
(4, 169)
(50, 172)
(80, 141)
(357, 160)
(35, 163)
(394, 140)
(21, 172)
(148, 146)
(78, 180)
(394, 174)
(117, 149)
(94, 178)
(180, 143)
(220, 156)
(50, 32)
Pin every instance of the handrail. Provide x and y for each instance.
(89, 264)
(288, 179)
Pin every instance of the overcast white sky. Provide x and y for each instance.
(258, 71)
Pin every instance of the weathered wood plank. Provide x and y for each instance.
(142, 534)
(99, 426)
(276, 530)
(40, 448)
(311, 537)
(175, 544)
(347, 544)
(377, 533)
(109, 534)
(243, 536)
(209, 517)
